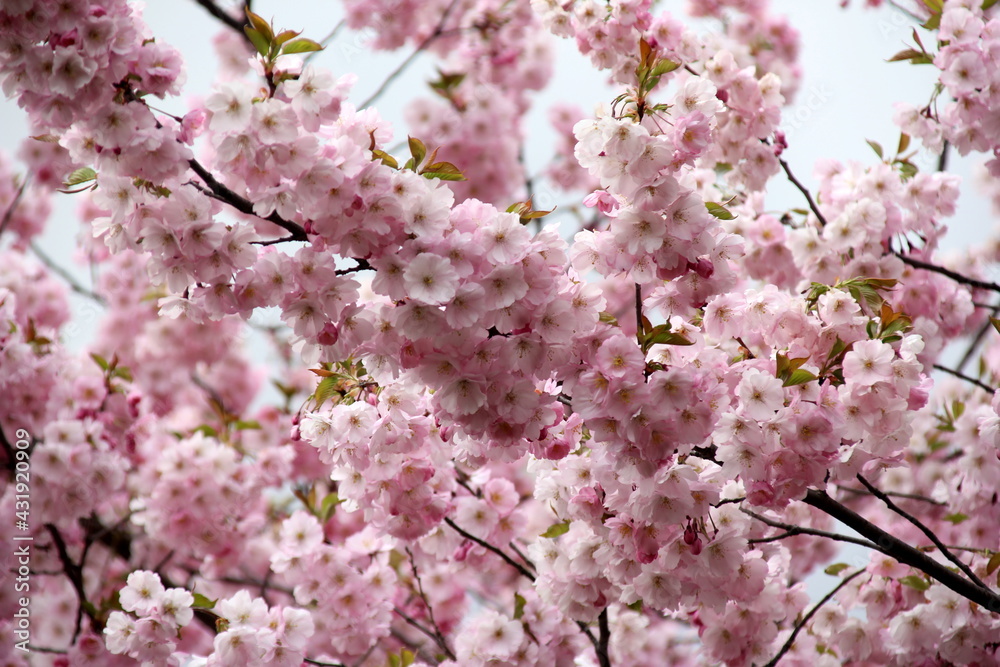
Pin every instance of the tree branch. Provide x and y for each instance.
(902, 552)
(438, 30)
(74, 573)
(437, 635)
(222, 16)
(805, 619)
(218, 191)
(804, 190)
(792, 531)
(923, 529)
(74, 285)
(483, 543)
(9, 213)
(961, 376)
(603, 657)
(957, 277)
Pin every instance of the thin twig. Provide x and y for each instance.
(976, 340)
(792, 530)
(66, 276)
(409, 59)
(923, 529)
(218, 191)
(483, 543)
(9, 213)
(902, 552)
(894, 494)
(962, 376)
(325, 41)
(957, 277)
(74, 573)
(324, 664)
(805, 619)
(804, 190)
(438, 636)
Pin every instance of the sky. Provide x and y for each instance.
(846, 97)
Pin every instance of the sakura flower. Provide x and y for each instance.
(868, 362)
(142, 592)
(760, 394)
(430, 278)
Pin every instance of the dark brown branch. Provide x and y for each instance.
(222, 16)
(923, 529)
(74, 572)
(902, 552)
(638, 312)
(483, 543)
(603, 657)
(792, 531)
(363, 265)
(804, 190)
(962, 376)
(218, 191)
(805, 619)
(957, 277)
(324, 664)
(943, 158)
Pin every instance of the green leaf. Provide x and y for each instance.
(261, 26)
(719, 211)
(519, 603)
(100, 361)
(557, 529)
(663, 66)
(906, 169)
(798, 377)
(301, 45)
(636, 606)
(417, 150)
(904, 143)
(916, 582)
(248, 425)
(988, 3)
(956, 518)
(662, 335)
(387, 159)
(993, 564)
(202, 602)
(445, 171)
(876, 146)
(836, 568)
(915, 57)
(326, 388)
(285, 35)
(996, 323)
(407, 657)
(207, 430)
(81, 175)
(261, 43)
(122, 372)
(328, 505)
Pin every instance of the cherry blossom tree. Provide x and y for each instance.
(502, 435)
